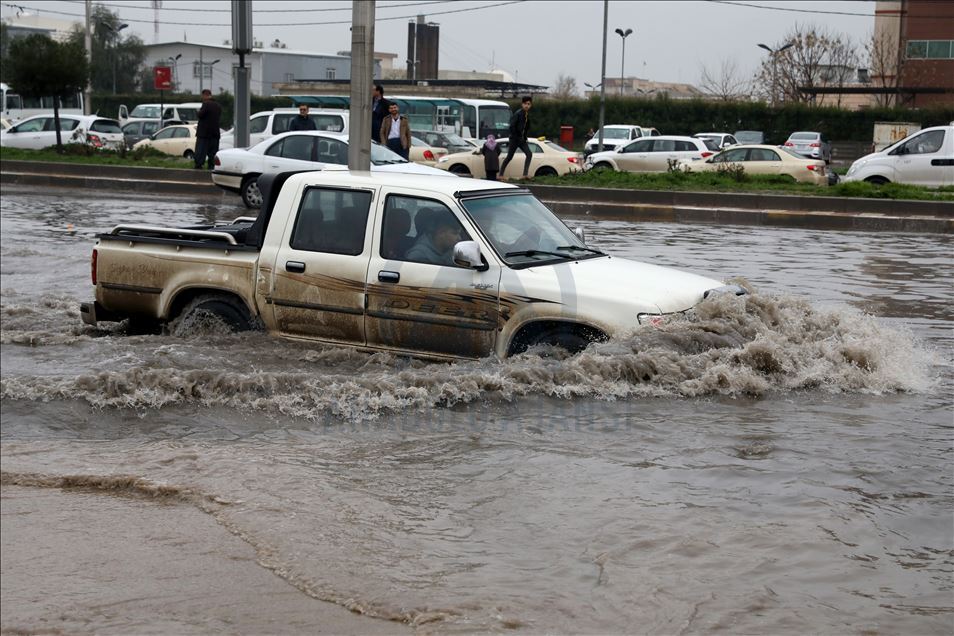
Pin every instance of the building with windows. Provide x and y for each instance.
(24, 24)
(199, 66)
(926, 31)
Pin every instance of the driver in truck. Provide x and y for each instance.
(437, 234)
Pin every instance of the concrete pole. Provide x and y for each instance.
(599, 147)
(87, 93)
(242, 42)
(362, 78)
(201, 72)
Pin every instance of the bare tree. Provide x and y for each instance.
(815, 51)
(727, 84)
(565, 87)
(883, 68)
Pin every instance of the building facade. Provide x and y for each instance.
(199, 66)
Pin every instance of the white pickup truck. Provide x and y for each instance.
(421, 265)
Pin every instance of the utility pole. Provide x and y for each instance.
(201, 72)
(87, 94)
(362, 77)
(242, 42)
(599, 147)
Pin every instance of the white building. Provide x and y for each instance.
(28, 24)
(211, 66)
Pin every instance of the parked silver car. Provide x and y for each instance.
(810, 144)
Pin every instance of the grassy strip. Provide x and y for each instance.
(715, 182)
(78, 153)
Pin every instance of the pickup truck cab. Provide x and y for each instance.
(429, 266)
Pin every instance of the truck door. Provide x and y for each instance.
(418, 299)
(321, 266)
(921, 160)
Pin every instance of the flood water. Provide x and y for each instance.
(780, 463)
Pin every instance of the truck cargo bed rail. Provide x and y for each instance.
(121, 230)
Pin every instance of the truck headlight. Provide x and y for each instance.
(649, 319)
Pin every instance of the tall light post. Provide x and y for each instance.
(591, 86)
(622, 63)
(115, 47)
(599, 147)
(211, 79)
(174, 63)
(774, 53)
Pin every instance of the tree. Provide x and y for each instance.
(116, 59)
(42, 67)
(728, 85)
(815, 51)
(565, 87)
(4, 48)
(883, 68)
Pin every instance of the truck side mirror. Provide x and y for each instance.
(467, 254)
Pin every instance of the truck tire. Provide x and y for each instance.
(877, 180)
(251, 195)
(230, 311)
(571, 340)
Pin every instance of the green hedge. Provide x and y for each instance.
(685, 117)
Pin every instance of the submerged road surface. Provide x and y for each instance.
(780, 463)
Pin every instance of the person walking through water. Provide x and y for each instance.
(207, 132)
(303, 121)
(379, 110)
(395, 132)
(519, 127)
(491, 152)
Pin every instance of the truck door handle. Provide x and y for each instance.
(388, 277)
(294, 266)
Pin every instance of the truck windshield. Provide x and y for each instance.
(615, 133)
(150, 112)
(523, 231)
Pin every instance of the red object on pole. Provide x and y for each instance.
(162, 77)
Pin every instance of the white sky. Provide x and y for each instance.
(533, 40)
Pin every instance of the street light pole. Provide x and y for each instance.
(599, 147)
(774, 53)
(115, 47)
(622, 64)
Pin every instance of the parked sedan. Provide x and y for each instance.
(238, 169)
(764, 160)
(547, 159)
(810, 144)
(652, 154)
(448, 141)
(925, 158)
(722, 140)
(424, 154)
(178, 141)
(39, 131)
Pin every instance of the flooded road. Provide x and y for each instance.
(782, 463)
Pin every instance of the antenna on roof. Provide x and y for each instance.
(156, 5)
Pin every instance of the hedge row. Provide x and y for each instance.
(668, 115)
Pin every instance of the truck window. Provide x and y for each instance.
(332, 221)
(257, 124)
(420, 231)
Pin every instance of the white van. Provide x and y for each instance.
(925, 158)
(268, 123)
(617, 135)
(188, 112)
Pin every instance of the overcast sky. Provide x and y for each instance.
(534, 41)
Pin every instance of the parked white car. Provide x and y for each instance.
(269, 123)
(722, 140)
(178, 141)
(238, 169)
(652, 154)
(39, 131)
(188, 112)
(925, 158)
(615, 135)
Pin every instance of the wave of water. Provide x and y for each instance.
(734, 346)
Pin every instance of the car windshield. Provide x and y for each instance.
(106, 126)
(381, 156)
(455, 140)
(556, 147)
(145, 111)
(805, 136)
(749, 137)
(523, 231)
(615, 133)
(711, 144)
(792, 153)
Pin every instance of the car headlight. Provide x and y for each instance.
(649, 319)
(736, 290)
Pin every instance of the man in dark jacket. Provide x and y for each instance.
(207, 132)
(519, 127)
(303, 121)
(379, 110)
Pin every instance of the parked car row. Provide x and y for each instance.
(39, 131)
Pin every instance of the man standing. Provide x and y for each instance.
(519, 127)
(395, 132)
(207, 132)
(303, 121)
(379, 110)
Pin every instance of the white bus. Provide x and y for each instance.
(16, 107)
(469, 118)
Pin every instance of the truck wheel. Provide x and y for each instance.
(546, 171)
(460, 170)
(876, 180)
(571, 341)
(603, 166)
(226, 309)
(251, 195)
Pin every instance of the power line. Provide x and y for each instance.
(821, 12)
(275, 24)
(386, 6)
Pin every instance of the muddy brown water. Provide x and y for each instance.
(782, 463)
